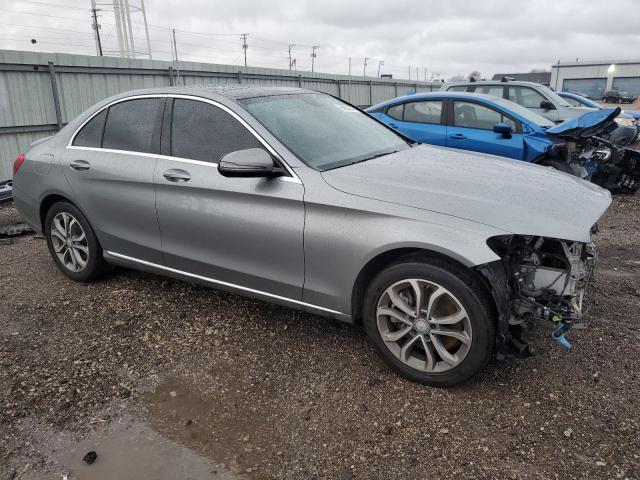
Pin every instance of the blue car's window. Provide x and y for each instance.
(529, 115)
(396, 111)
(423, 112)
(323, 131)
(458, 88)
(473, 115)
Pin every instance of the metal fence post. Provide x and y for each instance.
(299, 81)
(239, 76)
(56, 98)
(396, 86)
(339, 89)
(170, 76)
(370, 93)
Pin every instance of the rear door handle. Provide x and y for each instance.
(393, 125)
(78, 165)
(176, 175)
(457, 136)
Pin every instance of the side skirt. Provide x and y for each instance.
(125, 261)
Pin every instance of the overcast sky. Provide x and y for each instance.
(444, 37)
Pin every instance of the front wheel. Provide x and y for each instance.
(430, 320)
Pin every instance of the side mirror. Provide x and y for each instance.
(547, 105)
(252, 162)
(504, 129)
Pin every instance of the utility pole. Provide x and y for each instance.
(349, 96)
(364, 69)
(146, 27)
(380, 63)
(313, 55)
(409, 73)
(127, 12)
(244, 47)
(175, 53)
(96, 27)
(425, 74)
(291, 45)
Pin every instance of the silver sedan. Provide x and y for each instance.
(299, 198)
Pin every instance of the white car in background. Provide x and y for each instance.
(533, 96)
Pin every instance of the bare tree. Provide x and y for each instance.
(456, 78)
(475, 75)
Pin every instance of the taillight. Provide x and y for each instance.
(18, 163)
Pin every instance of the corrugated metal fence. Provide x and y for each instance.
(41, 92)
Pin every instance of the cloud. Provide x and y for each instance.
(445, 37)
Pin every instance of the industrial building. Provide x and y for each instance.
(595, 78)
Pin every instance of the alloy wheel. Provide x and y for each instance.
(69, 242)
(424, 325)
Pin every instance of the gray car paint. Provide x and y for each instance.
(302, 240)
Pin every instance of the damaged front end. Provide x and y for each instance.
(592, 157)
(537, 279)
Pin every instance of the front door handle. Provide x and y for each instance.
(457, 136)
(78, 165)
(176, 175)
(393, 125)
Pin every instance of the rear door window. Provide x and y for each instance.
(91, 134)
(201, 131)
(130, 125)
(423, 112)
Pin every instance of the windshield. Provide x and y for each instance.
(322, 131)
(553, 96)
(583, 102)
(524, 112)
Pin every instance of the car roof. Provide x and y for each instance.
(435, 95)
(494, 82)
(231, 93)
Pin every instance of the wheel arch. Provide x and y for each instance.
(388, 257)
(48, 201)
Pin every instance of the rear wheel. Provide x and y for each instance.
(73, 244)
(430, 320)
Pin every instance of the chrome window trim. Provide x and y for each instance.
(220, 282)
(293, 177)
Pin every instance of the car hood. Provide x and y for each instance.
(586, 125)
(510, 195)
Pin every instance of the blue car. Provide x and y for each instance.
(472, 121)
(576, 100)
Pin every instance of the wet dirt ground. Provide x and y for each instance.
(164, 379)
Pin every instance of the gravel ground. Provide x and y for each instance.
(266, 392)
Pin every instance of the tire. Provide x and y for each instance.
(450, 283)
(78, 256)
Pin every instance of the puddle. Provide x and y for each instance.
(217, 423)
(128, 450)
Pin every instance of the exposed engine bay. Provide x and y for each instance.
(593, 157)
(610, 166)
(538, 279)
